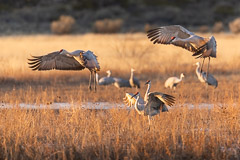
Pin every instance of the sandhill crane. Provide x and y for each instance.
(172, 82)
(202, 76)
(64, 60)
(156, 101)
(134, 82)
(180, 36)
(140, 104)
(105, 80)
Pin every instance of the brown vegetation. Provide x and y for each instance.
(64, 25)
(108, 26)
(218, 27)
(235, 25)
(182, 133)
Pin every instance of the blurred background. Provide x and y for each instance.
(114, 16)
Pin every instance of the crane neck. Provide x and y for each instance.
(198, 70)
(136, 105)
(97, 78)
(181, 77)
(131, 75)
(147, 91)
(109, 74)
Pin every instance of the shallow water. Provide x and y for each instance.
(86, 105)
(98, 105)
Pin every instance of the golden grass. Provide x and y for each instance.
(182, 133)
(113, 134)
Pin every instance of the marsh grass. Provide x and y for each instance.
(76, 133)
(113, 134)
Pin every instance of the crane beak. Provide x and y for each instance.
(147, 82)
(134, 95)
(194, 64)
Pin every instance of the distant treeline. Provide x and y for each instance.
(96, 4)
(35, 16)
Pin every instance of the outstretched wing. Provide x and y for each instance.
(130, 101)
(164, 34)
(54, 60)
(182, 37)
(165, 98)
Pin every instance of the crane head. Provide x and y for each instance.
(63, 51)
(172, 38)
(198, 64)
(147, 82)
(108, 72)
(135, 95)
(182, 75)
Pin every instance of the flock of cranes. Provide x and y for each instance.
(153, 102)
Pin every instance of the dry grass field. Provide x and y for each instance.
(76, 133)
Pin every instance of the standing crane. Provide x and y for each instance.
(156, 101)
(202, 76)
(134, 82)
(150, 106)
(172, 82)
(105, 80)
(180, 36)
(64, 60)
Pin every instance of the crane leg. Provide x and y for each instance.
(208, 67)
(95, 88)
(90, 81)
(202, 64)
(149, 122)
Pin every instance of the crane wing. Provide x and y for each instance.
(165, 98)
(90, 60)
(130, 101)
(54, 60)
(183, 37)
(163, 34)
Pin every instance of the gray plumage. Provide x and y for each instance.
(180, 36)
(64, 60)
(119, 83)
(108, 80)
(202, 76)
